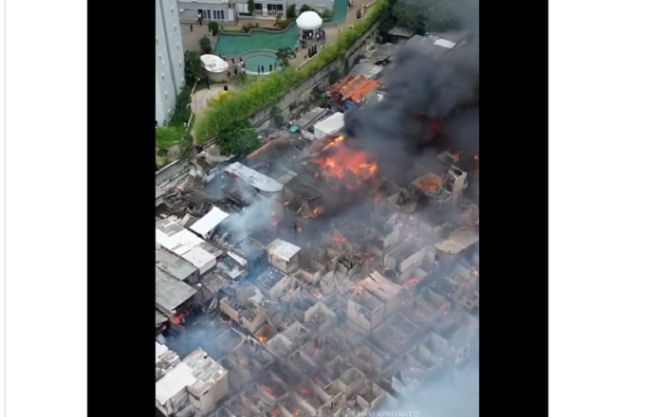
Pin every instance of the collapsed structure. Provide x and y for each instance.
(305, 281)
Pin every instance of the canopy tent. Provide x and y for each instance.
(309, 21)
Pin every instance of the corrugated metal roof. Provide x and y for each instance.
(369, 71)
(179, 243)
(209, 222)
(362, 91)
(399, 31)
(200, 258)
(282, 249)
(254, 178)
(332, 124)
(169, 292)
(174, 265)
(458, 241)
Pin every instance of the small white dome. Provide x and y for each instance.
(309, 21)
(213, 63)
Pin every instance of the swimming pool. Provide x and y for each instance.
(236, 44)
(255, 59)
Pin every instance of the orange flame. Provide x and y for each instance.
(430, 182)
(411, 283)
(457, 155)
(299, 229)
(338, 238)
(269, 390)
(275, 412)
(318, 351)
(334, 142)
(305, 391)
(318, 211)
(274, 223)
(262, 338)
(345, 161)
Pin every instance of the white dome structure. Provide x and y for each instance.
(215, 67)
(214, 64)
(309, 21)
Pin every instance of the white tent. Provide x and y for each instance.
(309, 21)
(209, 222)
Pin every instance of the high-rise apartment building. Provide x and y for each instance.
(169, 59)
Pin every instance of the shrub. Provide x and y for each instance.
(238, 138)
(182, 108)
(304, 8)
(326, 15)
(246, 28)
(214, 28)
(290, 11)
(166, 137)
(267, 90)
(251, 6)
(193, 67)
(206, 45)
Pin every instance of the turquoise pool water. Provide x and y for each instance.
(235, 44)
(265, 59)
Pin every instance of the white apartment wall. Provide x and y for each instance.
(210, 10)
(169, 58)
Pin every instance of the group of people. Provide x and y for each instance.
(261, 68)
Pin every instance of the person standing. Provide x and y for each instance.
(200, 20)
(191, 28)
(270, 69)
(263, 69)
(235, 70)
(233, 61)
(207, 81)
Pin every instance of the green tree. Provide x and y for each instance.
(239, 139)
(182, 108)
(290, 11)
(284, 55)
(251, 6)
(304, 8)
(214, 28)
(205, 44)
(327, 14)
(193, 67)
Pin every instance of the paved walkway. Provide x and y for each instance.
(201, 98)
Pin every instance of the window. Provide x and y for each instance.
(218, 14)
(156, 41)
(163, 78)
(258, 7)
(172, 11)
(166, 95)
(175, 28)
(180, 64)
(161, 59)
(177, 46)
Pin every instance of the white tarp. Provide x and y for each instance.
(209, 222)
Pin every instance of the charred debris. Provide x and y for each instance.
(310, 280)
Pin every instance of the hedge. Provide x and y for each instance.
(270, 89)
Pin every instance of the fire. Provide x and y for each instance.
(275, 412)
(318, 351)
(274, 223)
(411, 283)
(299, 229)
(269, 390)
(457, 155)
(334, 142)
(318, 211)
(338, 238)
(262, 338)
(429, 183)
(296, 413)
(344, 162)
(305, 391)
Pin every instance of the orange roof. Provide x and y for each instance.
(354, 87)
(359, 94)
